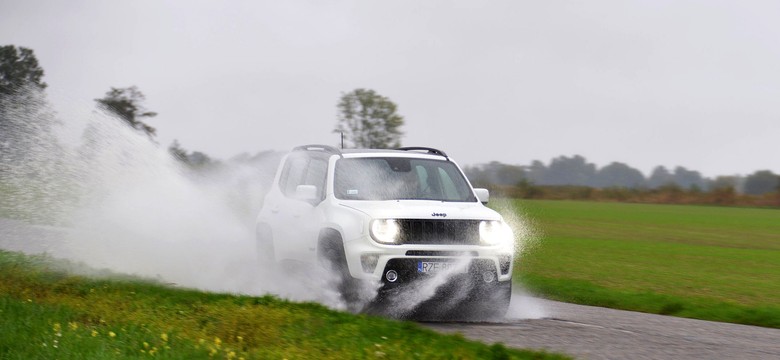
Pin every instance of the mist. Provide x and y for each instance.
(120, 201)
(123, 203)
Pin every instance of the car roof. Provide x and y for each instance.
(357, 153)
(416, 152)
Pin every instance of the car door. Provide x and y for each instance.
(297, 219)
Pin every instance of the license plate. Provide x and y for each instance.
(436, 266)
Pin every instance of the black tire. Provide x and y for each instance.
(501, 300)
(491, 305)
(332, 257)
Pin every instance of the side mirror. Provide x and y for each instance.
(483, 195)
(306, 192)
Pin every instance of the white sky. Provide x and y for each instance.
(678, 82)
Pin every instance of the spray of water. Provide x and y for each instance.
(522, 306)
(125, 204)
(403, 301)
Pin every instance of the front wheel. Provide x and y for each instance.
(491, 304)
(332, 258)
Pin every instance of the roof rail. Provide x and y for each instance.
(316, 147)
(429, 150)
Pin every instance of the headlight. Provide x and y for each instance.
(385, 231)
(494, 232)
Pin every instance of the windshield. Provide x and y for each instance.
(400, 178)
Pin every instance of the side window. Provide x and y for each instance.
(303, 170)
(316, 174)
(293, 175)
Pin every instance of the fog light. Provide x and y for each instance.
(391, 276)
(488, 276)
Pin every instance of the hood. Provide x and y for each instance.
(423, 209)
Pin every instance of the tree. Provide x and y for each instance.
(19, 68)
(26, 120)
(619, 175)
(369, 120)
(177, 151)
(724, 182)
(126, 104)
(688, 179)
(23, 113)
(537, 172)
(660, 177)
(495, 173)
(761, 182)
(570, 171)
(31, 158)
(195, 159)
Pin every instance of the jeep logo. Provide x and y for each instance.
(439, 214)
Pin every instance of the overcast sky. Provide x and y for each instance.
(689, 83)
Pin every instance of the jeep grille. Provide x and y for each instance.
(447, 232)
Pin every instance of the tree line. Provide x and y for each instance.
(577, 178)
(365, 119)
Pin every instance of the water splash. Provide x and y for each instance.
(406, 300)
(124, 203)
(527, 238)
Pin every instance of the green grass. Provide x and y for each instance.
(48, 313)
(713, 263)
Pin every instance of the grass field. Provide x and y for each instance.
(714, 263)
(46, 313)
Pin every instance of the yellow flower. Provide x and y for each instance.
(240, 338)
(111, 334)
(146, 345)
(57, 327)
(231, 355)
(94, 333)
(164, 337)
(73, 326)
(217, 341)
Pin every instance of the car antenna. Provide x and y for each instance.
(342, 139)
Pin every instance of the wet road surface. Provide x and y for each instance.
(589, 332)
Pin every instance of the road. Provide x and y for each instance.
(581, 331)
(589, 332)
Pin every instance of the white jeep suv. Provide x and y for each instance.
(391, 216)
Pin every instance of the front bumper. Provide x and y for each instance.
(405, 261)
(409, 270)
